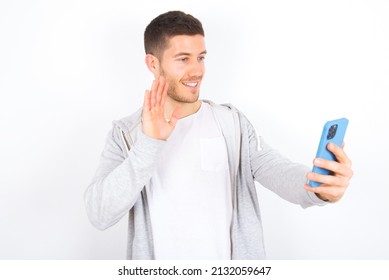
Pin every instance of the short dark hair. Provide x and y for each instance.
(167, 25)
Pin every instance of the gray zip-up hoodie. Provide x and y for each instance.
(128, 161)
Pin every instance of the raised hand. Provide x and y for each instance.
(154, 122)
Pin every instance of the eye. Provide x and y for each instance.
(201, 58)
(183, 59)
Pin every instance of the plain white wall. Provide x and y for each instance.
(68, 68)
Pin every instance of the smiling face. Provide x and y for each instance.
(182, 65)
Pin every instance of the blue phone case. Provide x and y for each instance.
(334, 132)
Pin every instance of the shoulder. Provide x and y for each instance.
(221, 107)
(227, 108)
(129, 122)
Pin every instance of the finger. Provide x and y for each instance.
(339, 154)
(146, 102)
(338, 168)
(329, 180)
(327, 193)
(153, 93)
(160, 89)
(314, 190)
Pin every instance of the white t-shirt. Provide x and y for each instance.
(190, 193)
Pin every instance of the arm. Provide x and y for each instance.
(278, 174)
(118, 180)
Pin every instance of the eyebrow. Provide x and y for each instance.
(185, 53)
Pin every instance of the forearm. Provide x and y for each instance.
(118, 182)
(283, 177)
(286, 179)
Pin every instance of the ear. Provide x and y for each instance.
(152, 63)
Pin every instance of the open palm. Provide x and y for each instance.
(154, 123)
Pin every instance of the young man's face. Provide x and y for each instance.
(182, 64)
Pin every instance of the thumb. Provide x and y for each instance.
(174, 117)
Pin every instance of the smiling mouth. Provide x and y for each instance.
(190, 84)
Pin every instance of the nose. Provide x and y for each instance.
(196, 69)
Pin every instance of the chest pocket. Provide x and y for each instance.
(213, 154)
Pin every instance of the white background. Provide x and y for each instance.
(68, 68)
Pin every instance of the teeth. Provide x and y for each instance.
(190, 84)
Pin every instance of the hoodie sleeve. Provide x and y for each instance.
(278, 174)
(118, 180)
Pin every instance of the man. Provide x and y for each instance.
(184, 168)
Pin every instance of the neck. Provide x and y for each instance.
(184, 109)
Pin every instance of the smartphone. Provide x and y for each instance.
(333, 131)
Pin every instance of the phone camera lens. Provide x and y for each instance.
(332, 131)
